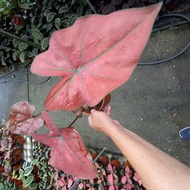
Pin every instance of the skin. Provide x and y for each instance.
(158, 170)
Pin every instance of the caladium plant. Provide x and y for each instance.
(68, 152)
(94, 56)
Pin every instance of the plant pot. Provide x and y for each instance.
(127, 164)
(21, 141)
(17, 152)
(104, 160)
(100, 106)
(94, 155)
(2, 169)
(17, 167)
(115, 163)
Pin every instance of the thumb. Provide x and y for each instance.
(93, 111)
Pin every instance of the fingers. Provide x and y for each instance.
(91, 115)
(93, 111)
(107, 110)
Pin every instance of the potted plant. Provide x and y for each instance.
(90, 69)
(11, 151)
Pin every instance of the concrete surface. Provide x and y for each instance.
(13, 91)
(154, 103)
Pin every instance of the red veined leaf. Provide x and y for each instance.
(21, 120)
(94, 56)
(68, 152)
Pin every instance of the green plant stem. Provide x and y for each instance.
(100, 154)
(73, 121)
(89, 3)
(6, 48)
(18, 38)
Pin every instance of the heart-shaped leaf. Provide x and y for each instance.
(21, 120)
(68, 152)
(94, 56)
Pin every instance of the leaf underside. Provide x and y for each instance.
(94, 56)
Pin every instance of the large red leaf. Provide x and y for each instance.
(94, 56)
(68, 152)
(21, 120)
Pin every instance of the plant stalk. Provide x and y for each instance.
(19, 39)
(6, 48)
(89, 3)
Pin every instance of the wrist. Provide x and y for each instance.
(112, 129)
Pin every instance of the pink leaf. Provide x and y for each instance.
(70, 182)
(137, 179)
(110, 179)
(68, 152)
(60, 183)
(129, 186)
(124, 179)
(110, 168)
(94, 60)
(103, 171)
(111, 187)
(80, 186)
(21, 120)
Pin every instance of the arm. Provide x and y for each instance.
(158, 170)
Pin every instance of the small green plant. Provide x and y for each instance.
(33, 24)
(26, 174)
(41, 160)
(6, 184)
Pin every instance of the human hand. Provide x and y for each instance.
(102, 121)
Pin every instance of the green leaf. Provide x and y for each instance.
(21, 175)
(49, 27)
(22, 56)
(33, 186)
(72, 2)
(80, 10)
(30, 54)
(72, 19)
(16, 43)
(37, 34)
(63, 9)
(25, 37)
(45, 43)
(28, 170)
(84, 2)
(32, 19)
(57, 23)
(22, 46)
(28, 180)
(35, 52)
(50, 17)
(65, 23)
(15, 55)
